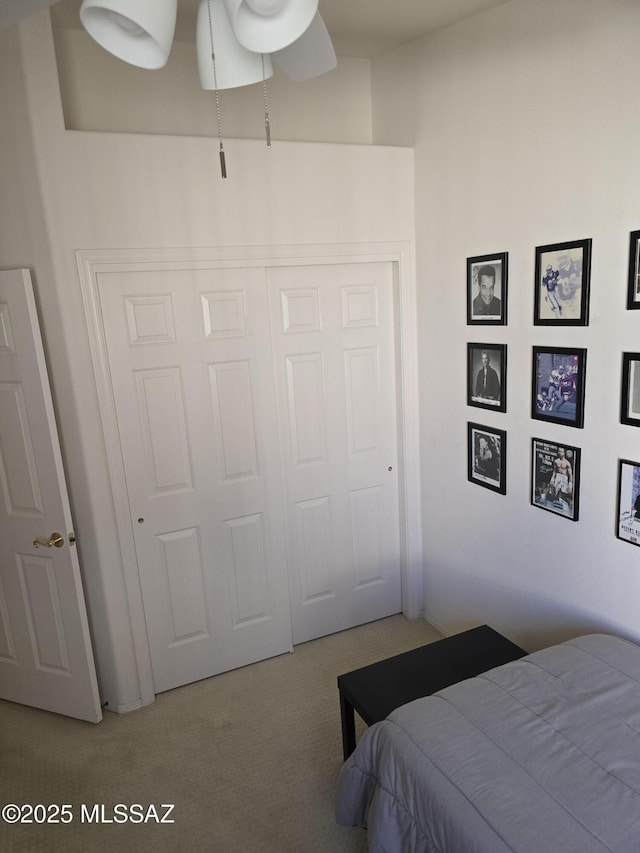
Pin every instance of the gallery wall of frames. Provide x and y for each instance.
(558, 374)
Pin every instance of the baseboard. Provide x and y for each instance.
(124, 708)
(435, 624)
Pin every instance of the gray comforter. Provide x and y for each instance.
(537, 756)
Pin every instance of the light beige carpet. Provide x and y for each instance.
(249, 758)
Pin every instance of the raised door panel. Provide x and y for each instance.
(41, 600)
(234, 417)
(180, 558)
(18, 471)
(164, 430)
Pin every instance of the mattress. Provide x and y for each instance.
(541, 754)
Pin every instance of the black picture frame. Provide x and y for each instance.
(493, 312)
(628, 505)
(563, 273)
(487, 457)
(487, 390)
(555, 477)
(633, 286)
(557, 387)
(630, 391)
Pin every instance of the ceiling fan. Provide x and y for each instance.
(291, 32)
(237, 41)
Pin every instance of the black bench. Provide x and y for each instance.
(376, 690)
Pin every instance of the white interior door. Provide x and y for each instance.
(333, 333)
(46, 658)
(192, 379)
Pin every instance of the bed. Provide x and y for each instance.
(541, 754)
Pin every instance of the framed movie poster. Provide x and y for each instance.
(633, 291)
(555, 477)
(630, 395)
(562, 284)
(628, 528)
(487, 457)
(487, 290)
(487, 376)
(557, 390)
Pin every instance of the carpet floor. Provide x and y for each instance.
(248, 758)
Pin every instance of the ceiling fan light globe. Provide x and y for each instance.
(266, 7)
(138, 31)
(234, 65)
(267, 33)
(309, 56)
(126, 24)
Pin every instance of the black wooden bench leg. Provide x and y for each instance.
(348, 726)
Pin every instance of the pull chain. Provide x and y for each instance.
(223, 163)
(267, 128)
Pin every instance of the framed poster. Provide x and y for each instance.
(628, 525)
(630, 393)
(555, 477)
(563, 272)
(487, 457)
(633, 288)
(487, 376)
(557, 388)
(487, 290)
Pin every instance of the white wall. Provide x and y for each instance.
(526, 132)
(112, 190)
(335, 107)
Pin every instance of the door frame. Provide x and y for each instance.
(94, 263)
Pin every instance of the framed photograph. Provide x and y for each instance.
(630, 396)
(628, 527)
(563, 272)
(487, 457)
(633, 292)
(487, 290)
(555, 477)
(487, 376)
(557, 392)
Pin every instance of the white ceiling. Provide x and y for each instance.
(357, 27)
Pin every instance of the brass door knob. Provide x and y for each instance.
(56, 540)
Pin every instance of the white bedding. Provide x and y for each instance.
(539, 755)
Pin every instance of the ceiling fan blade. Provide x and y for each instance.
(309, 56)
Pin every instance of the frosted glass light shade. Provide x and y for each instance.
(309, 56)
(235, 66)
(137, 31)
(266, 26)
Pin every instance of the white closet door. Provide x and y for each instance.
(333, 333)
(189, 355)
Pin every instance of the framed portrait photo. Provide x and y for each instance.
(563, 272)
(487, 457)
(630, 394)
(555, 477)
(557, 389)
(487, 376)
(487, 277)
(633, 291)
(628, 524)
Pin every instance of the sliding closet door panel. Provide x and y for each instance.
(190, 361)
(333, 336)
